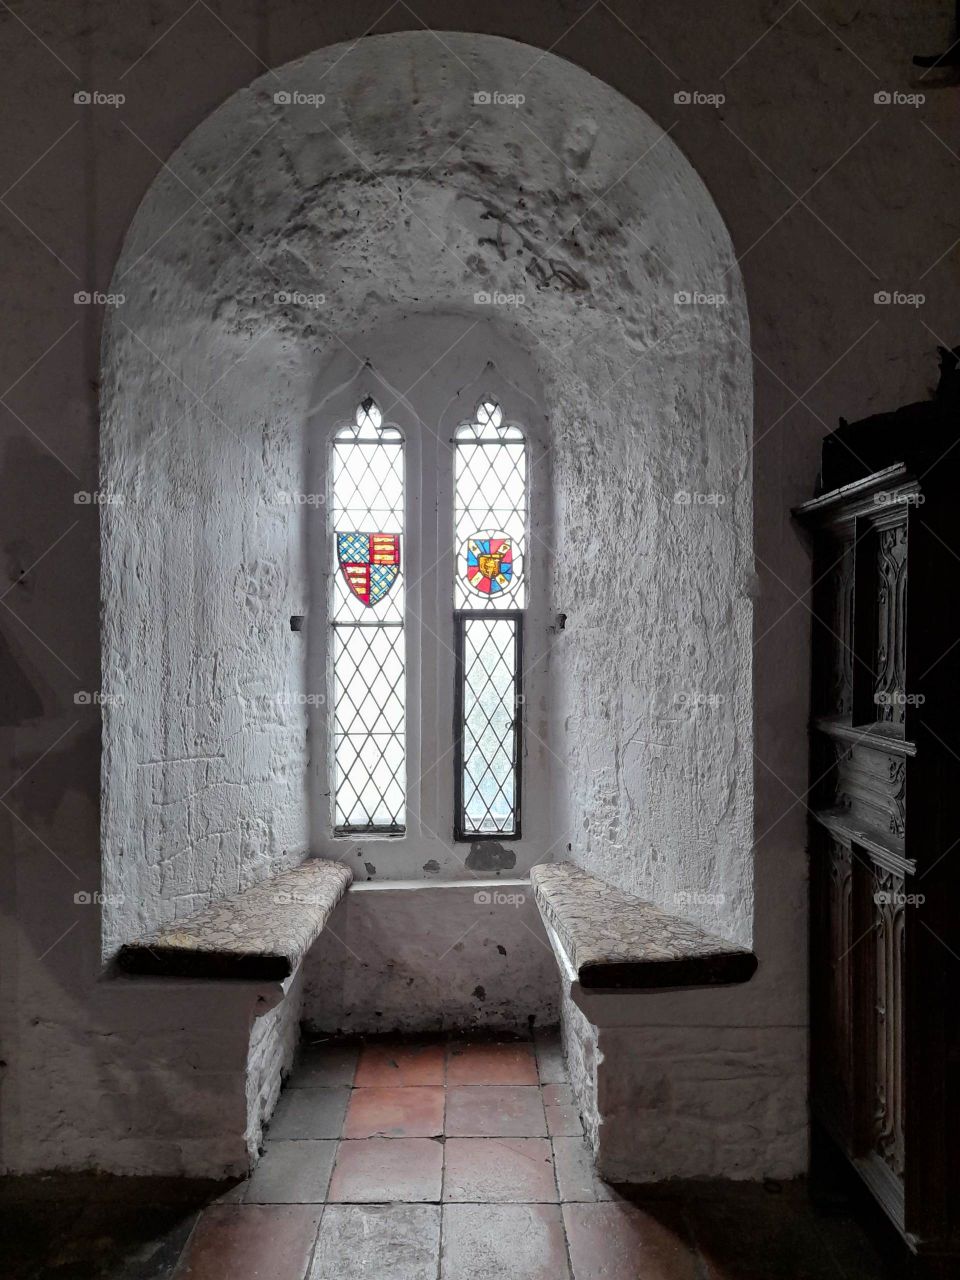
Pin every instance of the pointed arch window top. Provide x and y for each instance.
(488, 426)
(367, 427)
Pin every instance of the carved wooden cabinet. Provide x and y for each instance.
(885, 830)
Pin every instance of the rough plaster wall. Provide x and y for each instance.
(700, 1102)
(581, 1054)
(690, 1084)
(135, 1077)
(273, 1045)
(799, 88)
(646, 389)
(432, 959)
(204, 739)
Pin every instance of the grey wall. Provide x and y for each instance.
(878, 210)
(641, 398)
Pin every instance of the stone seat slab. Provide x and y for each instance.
(260, 934)
(617, 942)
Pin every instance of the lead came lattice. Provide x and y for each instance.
(490, 528)
(369, 737)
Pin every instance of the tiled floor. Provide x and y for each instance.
(447, 1161)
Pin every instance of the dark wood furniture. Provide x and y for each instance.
(885, 814)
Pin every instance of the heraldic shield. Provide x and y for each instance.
(488, 563)
(370, 564)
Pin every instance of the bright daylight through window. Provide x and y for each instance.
(368, 632)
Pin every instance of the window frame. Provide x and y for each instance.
(500, 371)
(342, 435)
(332, 415)
(461, 617)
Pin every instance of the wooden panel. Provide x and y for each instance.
(889, 659)
(885, 843)
(833, 935)
(887, 992)
(833, 629)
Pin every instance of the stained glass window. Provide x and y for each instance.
(490, 529)
(367, 624)
(490, 511)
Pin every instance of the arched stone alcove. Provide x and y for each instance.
(366, 184)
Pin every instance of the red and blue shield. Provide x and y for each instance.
(488, 567)
(370, 564)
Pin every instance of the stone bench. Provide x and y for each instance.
(616, 942)
(259, 935)
(680, 1067)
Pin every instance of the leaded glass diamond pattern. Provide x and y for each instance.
(490, 738)
(369, 740)
(368, 497)
(490, 494)
(368, 727)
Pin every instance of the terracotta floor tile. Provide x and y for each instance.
(324, 1065)
(378, 1242)
(309, 1113)
(374, 1170)
(621, 1242)
(408, 1111)
(386, 1065)
(499, 1170)
(480, 1063)
(250, 1242)
(563, 1122)
(577, 1177)
(292, 1173)
(495, 1111)
(503, 1242)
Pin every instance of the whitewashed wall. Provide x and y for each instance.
(642, 397)
(799, 111)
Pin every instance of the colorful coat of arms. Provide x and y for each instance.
(488, 565)
(370, 564)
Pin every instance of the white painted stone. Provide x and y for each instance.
(799, 99)
(418, 957)
(649, 398)
(679, 1084)
(204, 757)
